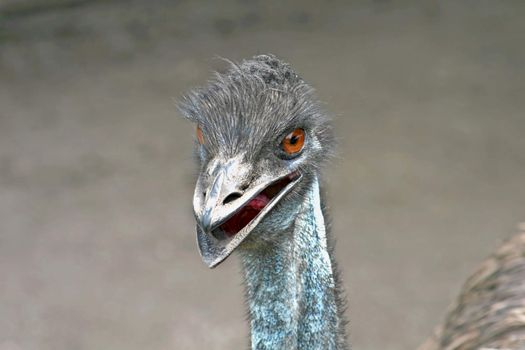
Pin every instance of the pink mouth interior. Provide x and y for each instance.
(250, 211)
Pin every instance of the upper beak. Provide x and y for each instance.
(230, 189)
(208, 217)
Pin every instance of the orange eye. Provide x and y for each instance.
(200, 136)
(293, 142)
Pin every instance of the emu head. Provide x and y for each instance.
(261, 139)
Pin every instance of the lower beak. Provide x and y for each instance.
(225, 217)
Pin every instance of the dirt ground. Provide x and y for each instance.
(97, 241)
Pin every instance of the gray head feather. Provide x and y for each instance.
(253, 105)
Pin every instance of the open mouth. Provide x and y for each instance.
(229, 231)
(253, 208)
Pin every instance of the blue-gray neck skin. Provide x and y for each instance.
(291, 286)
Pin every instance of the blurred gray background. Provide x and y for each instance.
(97, 242)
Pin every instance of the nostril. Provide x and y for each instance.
(231, 197)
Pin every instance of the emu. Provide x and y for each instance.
(261, 143)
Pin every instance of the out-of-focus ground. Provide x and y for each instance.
(97, 245)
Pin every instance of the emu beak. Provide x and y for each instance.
(228, 208)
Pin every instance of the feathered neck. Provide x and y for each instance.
(291, 289)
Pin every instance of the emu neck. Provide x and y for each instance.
(291, 287)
